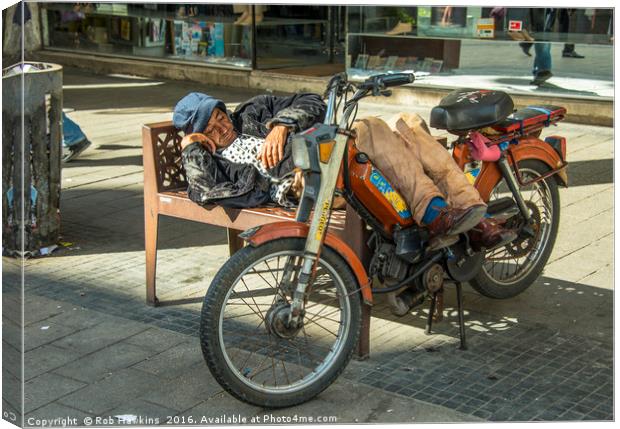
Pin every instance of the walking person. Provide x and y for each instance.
(542, 63)
(542, 50)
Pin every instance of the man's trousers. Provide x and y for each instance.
(414, 163)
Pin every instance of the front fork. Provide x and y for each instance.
(317, 230)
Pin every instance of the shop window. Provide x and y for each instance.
(455, 46)
(219, 34)
(206, 33)
(291, 35)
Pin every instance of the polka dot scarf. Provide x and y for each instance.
(244, 150)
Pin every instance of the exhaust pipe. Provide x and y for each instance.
(401, 304)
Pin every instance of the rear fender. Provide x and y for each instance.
(290, 229)
(527, 148)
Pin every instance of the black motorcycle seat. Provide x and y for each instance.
(470, 109)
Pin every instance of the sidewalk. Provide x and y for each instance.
(93, 348)
(87, 363)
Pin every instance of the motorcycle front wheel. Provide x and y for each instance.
(509, 270)
(246, 342)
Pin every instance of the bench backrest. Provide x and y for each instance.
(161, 144)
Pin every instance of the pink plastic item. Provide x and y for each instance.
(479, 149)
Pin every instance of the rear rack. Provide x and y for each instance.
(525, 122)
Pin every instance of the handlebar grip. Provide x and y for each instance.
(336, 80)
(396, 79)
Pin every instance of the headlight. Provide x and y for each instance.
(301, 158)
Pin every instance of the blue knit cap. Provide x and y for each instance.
(192, 112)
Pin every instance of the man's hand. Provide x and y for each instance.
(272, 151)
(200, 138)
(298, 183)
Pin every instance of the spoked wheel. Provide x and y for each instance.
(247, 342)
(509, 270)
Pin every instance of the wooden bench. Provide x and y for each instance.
(165, 193)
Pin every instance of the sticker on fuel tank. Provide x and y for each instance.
(397, 201)
(472, 170)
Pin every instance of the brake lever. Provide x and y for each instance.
(378, 88)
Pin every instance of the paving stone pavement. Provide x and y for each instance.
(544, 355)
(510, 372)
(157, 375)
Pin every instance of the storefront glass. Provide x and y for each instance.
(208, 33)
(288, 36)
(215, 34)
(444, 44)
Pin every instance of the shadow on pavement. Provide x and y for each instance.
(99, 162)
(86, 94)
(112, 221)
(117, 146)
(591, 172)
(546, 87)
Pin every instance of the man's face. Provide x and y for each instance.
(219, 129)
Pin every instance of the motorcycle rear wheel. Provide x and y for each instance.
(245, 343)
(511, 269)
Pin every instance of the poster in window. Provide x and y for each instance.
(125, 29)
(435, 66)
(362, 60)
(390, 64)
(400, 62)
(412, 63)
(373, 62)
(426, 65)
(218, 39)
(485, 28)
(449, 16)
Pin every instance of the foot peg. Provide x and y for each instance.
(442, 241)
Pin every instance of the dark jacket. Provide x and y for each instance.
(258, 114)
(213, 179)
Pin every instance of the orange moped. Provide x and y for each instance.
(282, 317)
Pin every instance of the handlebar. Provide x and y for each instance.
(375, 85)
(397, 79)
(382, 81)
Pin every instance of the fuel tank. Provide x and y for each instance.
(375, 192)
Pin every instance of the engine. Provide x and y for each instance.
(387, 266)
(390, 269)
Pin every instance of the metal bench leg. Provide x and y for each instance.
(355, 236)
(151, 229)
(234, 242)
(363, 344)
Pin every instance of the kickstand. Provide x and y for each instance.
(435, 312)
(431, 311)
(459, 303)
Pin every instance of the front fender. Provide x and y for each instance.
(527, 148)
(292, 229)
